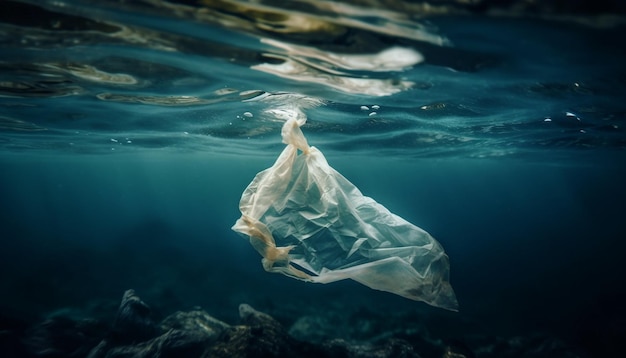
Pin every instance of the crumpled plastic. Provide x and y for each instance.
(310, 223)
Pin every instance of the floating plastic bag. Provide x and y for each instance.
(310, 223)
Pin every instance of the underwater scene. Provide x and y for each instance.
(358, 178)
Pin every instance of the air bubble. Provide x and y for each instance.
(571, 115)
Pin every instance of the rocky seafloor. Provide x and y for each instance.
(134, 333)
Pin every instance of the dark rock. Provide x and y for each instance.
(174, 344)
(357, 325)
(534, 346)
(261, 336)
(313, 328)
(392, 348)
(100, 350)
(11, 332)
(133, 322)
(10, 345)
(196, 334)
(187, 334)
(251, 317)
(457, 349)
(424, 344)
(197, 321)
(540, 346)
(354, 332)
(63, 337)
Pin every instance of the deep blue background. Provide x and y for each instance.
(531, 212)
(534, 247)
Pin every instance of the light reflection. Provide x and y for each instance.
(221, 95)
(346, 37)
(7, 123)
(153, 100)
(313, 16)
(91, 73)
(365, 86)
(390, 59)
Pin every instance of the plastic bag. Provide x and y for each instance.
(310, 223)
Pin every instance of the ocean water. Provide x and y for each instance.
(129, 130)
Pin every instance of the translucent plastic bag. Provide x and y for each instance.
(310, 223)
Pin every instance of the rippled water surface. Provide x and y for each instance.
(92, 77)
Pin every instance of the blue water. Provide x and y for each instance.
(125, 147)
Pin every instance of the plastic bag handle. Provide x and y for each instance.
(292, 135)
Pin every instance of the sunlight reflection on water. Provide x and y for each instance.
(449, 83)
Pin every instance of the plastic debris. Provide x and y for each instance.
(310, 223)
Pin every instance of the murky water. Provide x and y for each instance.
(128, 131)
